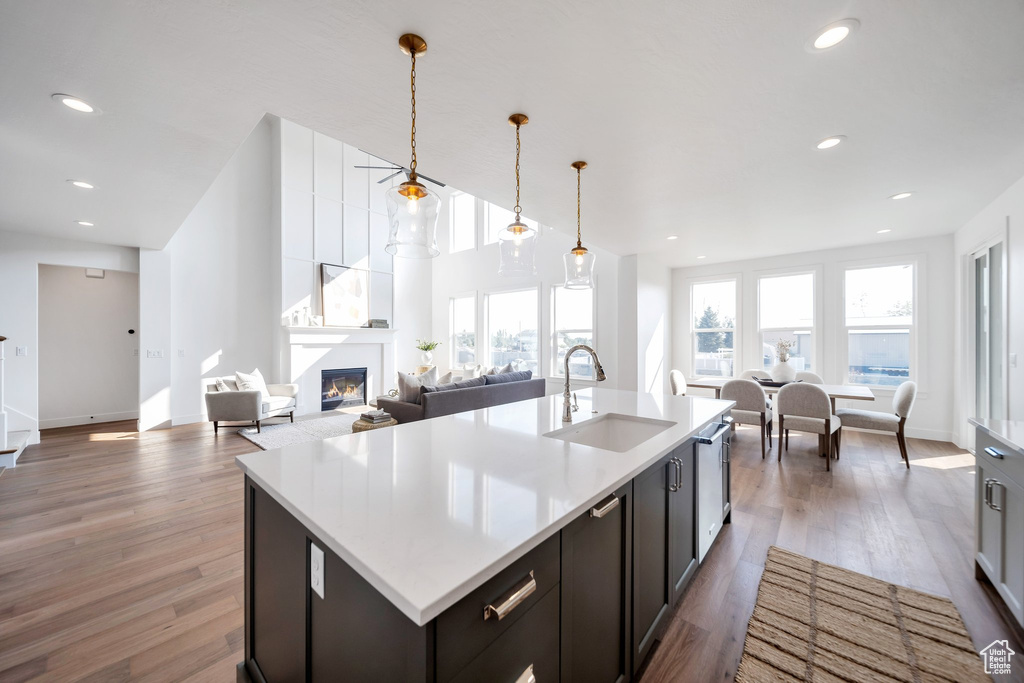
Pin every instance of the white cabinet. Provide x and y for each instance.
(999, 515)
(710, 490)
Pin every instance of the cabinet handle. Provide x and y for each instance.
(676, 482)
(603, 509)
(527, 676)
(991, 502)
(988, 492)
(512, 599)
(995, 452)
(726, 451)
(679, 474)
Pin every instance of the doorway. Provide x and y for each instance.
(988, 304)
(88, 346)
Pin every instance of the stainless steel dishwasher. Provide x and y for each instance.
(712, 459)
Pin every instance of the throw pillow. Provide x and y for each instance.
(446, 378)
(409, 385)
(490, 371)
(469, 383)
(253, 382)
(472, 371)
(222, 385)
(506, 368)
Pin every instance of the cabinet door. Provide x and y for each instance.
(1009, 498)
(651, 598)
(596, 570)
(990, 525)
(682, 521)
(727, 478)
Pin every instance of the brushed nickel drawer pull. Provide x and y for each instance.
(602, 510)
(527, 676)
(991, 497)
(512, 599)
(995, 452)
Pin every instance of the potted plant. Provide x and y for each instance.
(783, 371)
(427, 347)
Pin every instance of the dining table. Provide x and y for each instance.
(834, 391)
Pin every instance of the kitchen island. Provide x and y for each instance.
(488, 545)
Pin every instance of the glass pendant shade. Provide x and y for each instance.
(579, 269)
(517, 247)
(412, 221)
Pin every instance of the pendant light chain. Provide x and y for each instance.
(412, 78)
(579, 173)
(518, 208)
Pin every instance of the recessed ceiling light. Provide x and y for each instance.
(901, 195)
(82, 184)
(75, 103)
(672, 237)
(86, 223)
(832, 35)
(700, 257)
(883, 231)
(829, 143)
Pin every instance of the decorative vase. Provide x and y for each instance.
(427, 357)
(783, 372)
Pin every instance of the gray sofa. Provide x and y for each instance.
(438, 403)
(246, 406)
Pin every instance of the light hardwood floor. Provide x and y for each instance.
(121, 553)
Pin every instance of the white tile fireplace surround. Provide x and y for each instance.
(310, 350)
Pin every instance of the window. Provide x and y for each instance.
(498, 219)
(713, 305)
(463, 330)
(512, 329)
(573, 314)
(786, 313)
(879, 324)
(462, 235)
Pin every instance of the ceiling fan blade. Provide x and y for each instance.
(389, 177)
(386, 168)
(431, 180)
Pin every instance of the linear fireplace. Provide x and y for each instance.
(342, 387)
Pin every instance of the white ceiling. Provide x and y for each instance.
(698, 118)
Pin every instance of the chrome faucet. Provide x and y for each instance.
(567, 407)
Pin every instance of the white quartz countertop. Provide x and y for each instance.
(1010, 432)
(428, 511)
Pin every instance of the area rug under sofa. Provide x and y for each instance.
(303, 431)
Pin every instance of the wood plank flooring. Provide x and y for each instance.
(121, 553)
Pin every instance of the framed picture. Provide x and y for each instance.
(345, 296)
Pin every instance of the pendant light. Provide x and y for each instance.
(579, 263)
(412, 207)
(518, 242)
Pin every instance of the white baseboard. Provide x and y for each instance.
(88, 419)
(187, 419)
(926, 434)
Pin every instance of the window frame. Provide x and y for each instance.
(817, 310)
(737, 353)
(487, 294)
(843, 347)
(554, 368)
(451, 222)
(451, 327)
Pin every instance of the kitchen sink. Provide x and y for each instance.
(612, 431)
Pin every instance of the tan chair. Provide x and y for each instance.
(677, 382)
(807, 408)
(809, 377)
(751, 406)
(751, 374)
(902, 403)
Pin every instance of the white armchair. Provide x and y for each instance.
(248, 406)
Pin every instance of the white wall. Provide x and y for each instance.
(20, 256)
(933, 413)
(1004, 217)
(88, 361)
(476, 270)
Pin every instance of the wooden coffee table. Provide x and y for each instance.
(362, 426)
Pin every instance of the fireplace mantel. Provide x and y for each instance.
(341, 335)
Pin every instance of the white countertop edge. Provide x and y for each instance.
(997, 429)
(422, 616)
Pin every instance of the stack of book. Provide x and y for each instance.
(375, 417)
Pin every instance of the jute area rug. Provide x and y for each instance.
(303, 431)
(816, 622)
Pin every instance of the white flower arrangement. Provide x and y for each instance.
(783, 346)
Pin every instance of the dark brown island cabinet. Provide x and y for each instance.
(586, 605)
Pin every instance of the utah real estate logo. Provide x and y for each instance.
(997, 657)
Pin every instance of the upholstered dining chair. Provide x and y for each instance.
(809, 377)
(902, 402)
(751, 374)
(677, 382)
(751, 406)
(806, 407)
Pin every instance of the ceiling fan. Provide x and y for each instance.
(400, 169)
